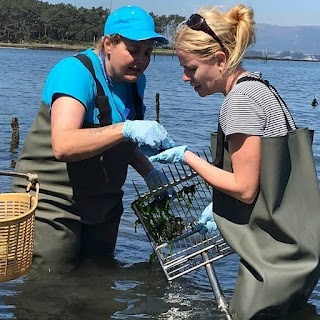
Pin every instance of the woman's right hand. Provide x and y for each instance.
(149, 133)
(206, 223)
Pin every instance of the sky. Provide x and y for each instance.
(276, 12)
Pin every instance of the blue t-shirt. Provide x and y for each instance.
(70, 77)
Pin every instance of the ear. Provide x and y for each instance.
(222, 59)
(106, 45)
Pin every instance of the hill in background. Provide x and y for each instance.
(304, 39)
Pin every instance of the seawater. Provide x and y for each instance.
(129, 286)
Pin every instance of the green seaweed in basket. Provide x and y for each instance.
(161, 224)
(188, 192)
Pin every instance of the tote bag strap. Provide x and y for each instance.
(277, 96)
(218, 161)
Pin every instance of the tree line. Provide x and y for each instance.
(37, 21)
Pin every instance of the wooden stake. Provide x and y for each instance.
(158, 107)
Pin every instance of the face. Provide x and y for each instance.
(127, 60)
(205, 76)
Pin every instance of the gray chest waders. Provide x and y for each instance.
(75, 194)
(278, 236)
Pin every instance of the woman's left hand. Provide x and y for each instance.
(171, 155)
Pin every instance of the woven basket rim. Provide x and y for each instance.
(21, 216)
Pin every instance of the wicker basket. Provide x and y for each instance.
(17, 220)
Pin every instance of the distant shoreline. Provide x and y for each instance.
(66, 47)
(81, 47)
(44, 46)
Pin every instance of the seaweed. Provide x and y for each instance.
(160, 223)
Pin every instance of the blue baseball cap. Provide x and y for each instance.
(133, 23)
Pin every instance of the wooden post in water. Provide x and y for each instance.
(158, 107)
(14, 133)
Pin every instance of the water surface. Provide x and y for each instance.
(128, 286)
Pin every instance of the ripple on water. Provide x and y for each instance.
(128, 286)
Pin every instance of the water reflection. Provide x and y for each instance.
(96, 290)
(110, 289)
(105, 289)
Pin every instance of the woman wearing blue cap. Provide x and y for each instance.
(85, 135)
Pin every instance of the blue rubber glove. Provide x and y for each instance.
(206, 223)
(156, 179)
(150, 133)
(175, 154)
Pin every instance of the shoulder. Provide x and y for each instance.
(252, 85)
(245, 91)
(242, 110)
(70, 77)
(250, 89)
(70, 67)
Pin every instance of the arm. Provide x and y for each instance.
(154, 178)
(140, 163)
(243, 182)
(70, 142)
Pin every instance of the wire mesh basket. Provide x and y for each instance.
(169, 225)
(17, 222)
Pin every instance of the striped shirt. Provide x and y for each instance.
(251, 108)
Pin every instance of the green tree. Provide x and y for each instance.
(33, 20)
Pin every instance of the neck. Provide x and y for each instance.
(102, 59)
(233, 78)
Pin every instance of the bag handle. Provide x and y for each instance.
(276, 94)
(218, 161)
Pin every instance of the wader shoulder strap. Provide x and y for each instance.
(137, 102)
(102, 99)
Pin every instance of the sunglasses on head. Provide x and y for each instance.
(198, 23)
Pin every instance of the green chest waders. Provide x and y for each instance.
(278, 236)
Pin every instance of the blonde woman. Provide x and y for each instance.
(261, 162)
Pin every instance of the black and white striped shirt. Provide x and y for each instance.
(251, 108)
